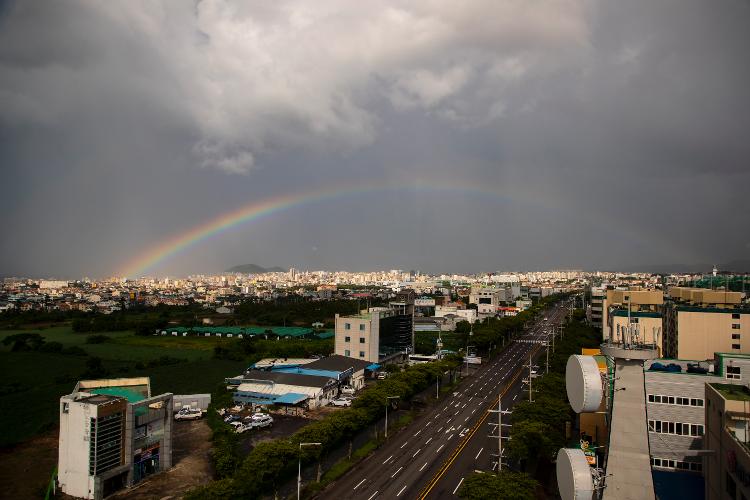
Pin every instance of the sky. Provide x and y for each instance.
(525, 134)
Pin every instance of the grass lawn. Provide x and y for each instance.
(33, 382)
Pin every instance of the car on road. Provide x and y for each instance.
(188, 413)
(346, 389)
(341, 402)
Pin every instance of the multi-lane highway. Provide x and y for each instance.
(432, 456)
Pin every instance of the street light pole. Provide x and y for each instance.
(386, 413)
(299, 466)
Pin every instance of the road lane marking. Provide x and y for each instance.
(417, 434)
(440, 429)
(360, 483)
(472, 411)
(480, 452)
(438, 450)
(387, 459)
(458, 485)
(399, 470)
(422, 468)
(373, 496)
(417, 453)
(402, 490)
(402, 446)
(428, 441)
(467, 418)
(449, 437)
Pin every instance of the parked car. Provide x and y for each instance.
(188, 413)
(382, 375)
(346, 389)
(261, 420)
(341, 402)
(237, 408)
(240, 427)
(232, 418)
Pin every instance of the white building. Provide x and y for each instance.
(112, 435)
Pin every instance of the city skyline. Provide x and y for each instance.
(586, 135)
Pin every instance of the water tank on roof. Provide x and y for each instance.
(583, 382)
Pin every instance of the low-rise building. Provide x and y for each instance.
(727, 465)
(113, 434)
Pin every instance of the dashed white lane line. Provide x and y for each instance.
(402, 446)
(417, 433)
(423, 466)
(401, 491)
(440, 429)
(458, 485)
(479, 453)
(428, 441)
(416, 453)
(449, 437)
(399, 470)
(360, 483)
(514, 397)
(387, 460)
(373, 496)
(472, 411)
(467, 418)
(438, 450)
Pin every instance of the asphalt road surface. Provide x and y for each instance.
(432, 456)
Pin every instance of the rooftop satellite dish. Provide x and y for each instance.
(583, 381)
(574, 480)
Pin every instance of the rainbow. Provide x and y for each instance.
(255, 210)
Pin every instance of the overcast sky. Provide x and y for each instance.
(614, 133)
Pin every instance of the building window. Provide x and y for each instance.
(361, 340)
(735, 346)
(362, 327)
(361, 354)
(733, 372)
(735, 336)
(347, 326)
(347, 339)
(735, 326)
(347, 353)
(668, 463)
(66, 407)
(676, 428)
(735, 316)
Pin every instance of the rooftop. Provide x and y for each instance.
(733, 392)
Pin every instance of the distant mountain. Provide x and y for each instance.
(254, 269)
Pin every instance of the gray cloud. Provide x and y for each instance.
(126, 122)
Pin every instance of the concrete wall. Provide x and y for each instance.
(370, 333)
(700, 334)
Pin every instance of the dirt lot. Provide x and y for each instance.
(191, 465)
(25, 469)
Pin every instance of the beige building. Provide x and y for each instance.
(358, 336)
(633, 316)
(727, 467)
(699, 322)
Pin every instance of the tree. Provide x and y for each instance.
(532, 440)
(506, 485)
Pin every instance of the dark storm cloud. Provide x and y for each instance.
(614, 133)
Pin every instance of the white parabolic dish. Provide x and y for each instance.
(583, 382)
(574, 475)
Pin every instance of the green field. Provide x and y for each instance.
(33, 382)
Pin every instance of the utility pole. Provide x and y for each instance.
(500, 412)
(531, 375)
